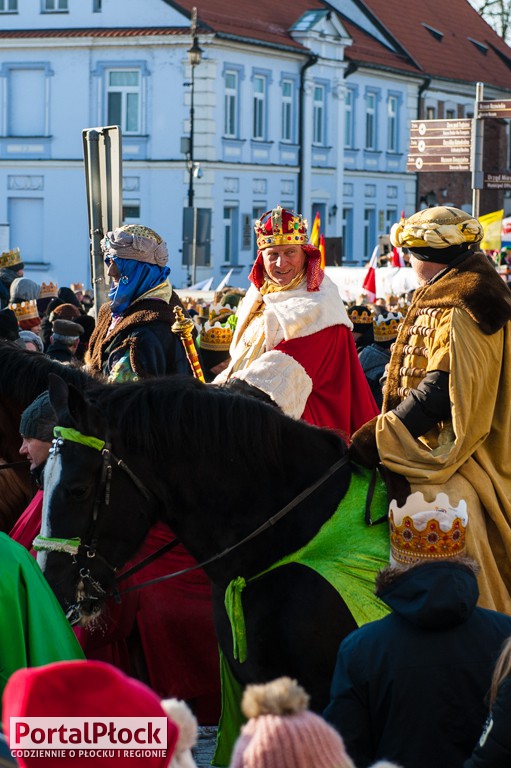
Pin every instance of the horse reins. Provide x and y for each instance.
(12, 464)
(73, 546)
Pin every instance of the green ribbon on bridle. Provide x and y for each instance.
(66, 433)
(45, 544)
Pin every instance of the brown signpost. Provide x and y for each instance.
(498, 108)
(439, 145)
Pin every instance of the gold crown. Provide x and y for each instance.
(219, 313)
(216, 338)
(48, 290)
(281, 227)
(25, 310)
(10, 258)
(360, 316)
(429, 531)
(386, 326)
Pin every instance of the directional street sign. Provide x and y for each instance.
(439, 145)
(494, 108)
(497, 180)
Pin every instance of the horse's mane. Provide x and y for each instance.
(24, 374)
(201, 422)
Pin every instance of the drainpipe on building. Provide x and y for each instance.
(424, 87)
(311, 60)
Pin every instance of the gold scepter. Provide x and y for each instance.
(183, 327)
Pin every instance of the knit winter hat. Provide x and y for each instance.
(39, 419)
(24, 289)
(282, 733)
(180, 713)
(84, 689)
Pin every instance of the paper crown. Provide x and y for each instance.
(215, 337)
(48, 290)
(25, 310)
(10, 258)
(422, 530)
(281, 227)
(219, 313)
(386, 326)
(76, 287)
(360, 315)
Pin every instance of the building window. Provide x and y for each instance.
(287, 111)
(55, 6)
(370, 120)
(27, 101)
(347, 234)
(97, 6)
(259, 107)
(390, 218)
(369, 231)
(318, 115)
(130, 210)
(230, 222)
(392, 124)
(430, 113)
(450, 114)
(8, 6)
(123, 99)
(231, 104)
(348, 118)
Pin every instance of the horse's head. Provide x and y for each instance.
(84, 541)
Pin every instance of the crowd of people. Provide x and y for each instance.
(417, 386)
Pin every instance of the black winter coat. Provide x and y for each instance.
(494, 747)
(411, 687)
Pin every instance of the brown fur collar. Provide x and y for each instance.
(473, 285)
(139, 313)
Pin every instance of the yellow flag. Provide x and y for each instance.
(492, 225)
(314, 238)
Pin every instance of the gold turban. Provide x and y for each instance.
(439, 227)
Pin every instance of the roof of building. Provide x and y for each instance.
(439, 38)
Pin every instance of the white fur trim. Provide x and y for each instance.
(282, 378)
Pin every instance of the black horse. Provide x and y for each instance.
(216, 467)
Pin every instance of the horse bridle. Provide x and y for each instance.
(74, 546)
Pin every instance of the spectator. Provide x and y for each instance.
(293, 344)
(374, 357)
(361, 315)
(9, 328)
(32, 341)
(11, 267)
(410, 687)
(86, 689)
(47, 292)
(282, 733)
(27, 315)
(213, 344)
(494, 747)
(36, 430)
(64, 341)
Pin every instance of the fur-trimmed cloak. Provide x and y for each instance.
(460, 324)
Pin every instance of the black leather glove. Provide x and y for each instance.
(363, 449)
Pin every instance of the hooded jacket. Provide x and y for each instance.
(411, 687)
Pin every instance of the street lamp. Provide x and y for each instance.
(194, 58)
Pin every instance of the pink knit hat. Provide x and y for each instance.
(282, 733)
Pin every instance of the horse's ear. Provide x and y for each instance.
(68, 403)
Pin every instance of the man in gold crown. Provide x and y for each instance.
(446, 420)
(11, 267)
(293, 339)
(133, 337)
